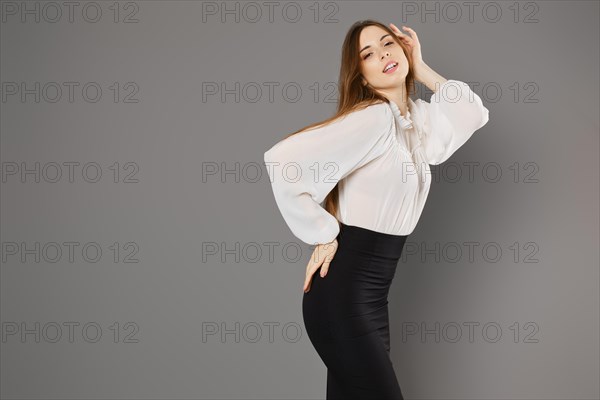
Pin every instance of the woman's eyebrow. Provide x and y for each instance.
(366, 47)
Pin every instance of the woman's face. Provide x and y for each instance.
(377, 49)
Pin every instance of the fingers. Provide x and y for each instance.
(403, 37)
(309, 276)
(411, 32)
(310, 270)
(319, 260)
(398, 32)
(324, 269)
(394, 28)
(307, 283)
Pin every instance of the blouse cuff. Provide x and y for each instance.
(329, 235)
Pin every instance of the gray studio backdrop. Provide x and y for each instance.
(143, 254)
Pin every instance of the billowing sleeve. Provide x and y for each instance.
(305, 167)
(453, 114)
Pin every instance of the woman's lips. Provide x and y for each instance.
(391, 70)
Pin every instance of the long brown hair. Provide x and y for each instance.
(353, 95)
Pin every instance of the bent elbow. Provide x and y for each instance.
(270, 162)
(268, 156)
(473, 120)
(484, 117)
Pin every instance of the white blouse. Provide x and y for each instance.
(379, 159)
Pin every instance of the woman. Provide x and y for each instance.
(369, 164)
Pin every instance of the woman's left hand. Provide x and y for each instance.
(411, 41)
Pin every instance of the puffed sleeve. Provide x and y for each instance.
(305, 167)
(453, 114)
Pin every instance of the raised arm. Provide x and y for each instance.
(305, 167)
(451, 117)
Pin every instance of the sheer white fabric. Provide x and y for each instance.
(379, 159)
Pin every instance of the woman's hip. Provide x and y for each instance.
(363, 265)
(352, 298)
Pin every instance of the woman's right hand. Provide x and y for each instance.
(321, 257)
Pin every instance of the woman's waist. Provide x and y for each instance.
(366, 242)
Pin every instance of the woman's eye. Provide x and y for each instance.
(367, 56)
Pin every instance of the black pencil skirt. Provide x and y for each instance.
(346, 315)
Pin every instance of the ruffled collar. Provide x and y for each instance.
(409, 121)
(405, 122)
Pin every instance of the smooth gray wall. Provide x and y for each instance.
(543, 59)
